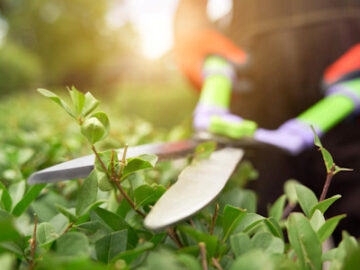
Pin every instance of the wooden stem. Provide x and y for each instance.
(172, 234)
(216, 264)
(327, 183)
(33, 245)
(213, 220)
(203, 255)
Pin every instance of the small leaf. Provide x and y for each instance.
(78, 100)
(325, 204)
(72, 244)
(105, 184)
(276, 211)
(7, 227)
(116, 223)
(146, 194)
(96, 127)
(267, 242)
(250, 221)
(5, 198)
(317, 220)
(328, 227)
(141, 162)
(57, 100)
(328, 160)
(90, 104)
(304, 241)
(87, 194)
(111, 245)
(274, 227)
(211, 241)
(306, 198)
(29, 197)
(130, 255)
(204, 150)
(17, 192)
(240, 243)
(46, 234)
(69, 213)
(290, 191)
(231, 218)
(340, 169)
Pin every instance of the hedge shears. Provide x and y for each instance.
(198, 186)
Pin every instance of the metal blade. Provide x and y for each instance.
(81, 167)
(196, 187)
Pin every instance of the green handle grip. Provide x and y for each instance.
(234, 130)
(217, 85)
(332, 109)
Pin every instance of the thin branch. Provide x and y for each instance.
(327, 183)
(172, 234)
(116, 181)
(112, 164)
(123, 161)
(203, 255)
(68, 227)
(216, 264)
(288, 209)
(213, 220)
(33, 245)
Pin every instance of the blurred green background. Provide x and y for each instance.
(57, 43)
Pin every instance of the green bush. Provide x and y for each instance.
(19, 69)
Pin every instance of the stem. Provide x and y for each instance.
(213, 220)
(33, 245)
(123, 161)
(216, 264)
(68, 227)
(203, 255)
(116, 181)
(329, 177)
(172, 234)
(288, 209)
(112, 164)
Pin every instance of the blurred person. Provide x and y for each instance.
(285, 57)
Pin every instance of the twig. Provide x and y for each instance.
(172, 234)
(216, 264)
(288, 209)
(33, 245)
(203, 255)
(213, 220)
(68, 227)
(329, 177)
(123, 161)
(192, 223)
(112, 164)
(116, 180)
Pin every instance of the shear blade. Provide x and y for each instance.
(197, 185)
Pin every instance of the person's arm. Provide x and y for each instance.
(342, 86)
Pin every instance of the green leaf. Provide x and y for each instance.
(141, 162)
(17, 192)
(240, 243)
(90, 104)
(72, 244)
(211, 241)
(267, 242)
(116, 223)
(7, 227)
(230, 219)
(306, 198)
(130, 255)
(78, 100)
(328, 227)
(328, 160)
(204, 150)
(146, 194)
(253, 260)
(111, 245)
(290, 191)
(325, 204)
(317, 220)
(57, 100)
(6, 200)
(276, 211)
(69, 213)
(249, 222)
(46, 234)
(96, 127)
(189, 261)
(304, 241)
(87, 194)
(274, 227)
(29, 197)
